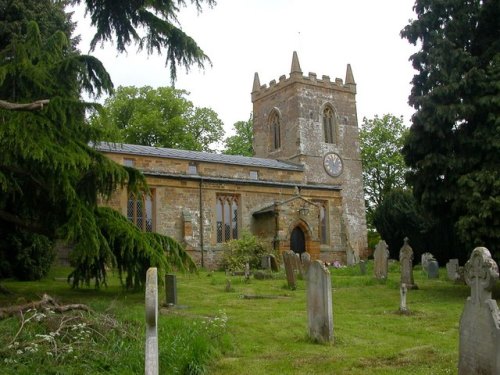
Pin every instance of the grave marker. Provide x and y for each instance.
(289, 262)
(381, 260)
(479, 345)
(406, 263)
(319, 302)
(433, 269)
(171, 289)
(452, 269)
(151, 356)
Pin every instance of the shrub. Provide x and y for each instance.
(248, 248)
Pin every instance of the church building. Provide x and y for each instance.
(302, 190)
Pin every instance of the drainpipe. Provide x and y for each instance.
(201, 223)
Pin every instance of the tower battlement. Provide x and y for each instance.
(296, 76)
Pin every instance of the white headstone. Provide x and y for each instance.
(479, 346)
(402, 304)
(319, 302)
(425, 259)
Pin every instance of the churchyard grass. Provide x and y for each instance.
(258, 327)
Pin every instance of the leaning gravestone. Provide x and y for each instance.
(319, 302)
(406, 264)
(479, 346)
(305, 259)
(151, 356)
(433, 270)
(452, 269)
(290, 264)
(381, 260)
(425, 259)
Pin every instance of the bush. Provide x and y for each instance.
(248, 249)
(34, 256)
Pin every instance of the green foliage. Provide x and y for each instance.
(453, 148)
(151, 25)
(247, 249)
(398, 217)
(160, 117)
(50, 178)
(381, 140)
(242, 142)
(26, 256)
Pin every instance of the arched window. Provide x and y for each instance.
(323, 222)
(275, 128)
(227, 214)
(329, 125)
(140, 211)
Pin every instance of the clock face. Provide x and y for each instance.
(333, 164)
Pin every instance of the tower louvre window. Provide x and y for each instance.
(329, 125)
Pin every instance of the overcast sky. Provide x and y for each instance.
(242, 37)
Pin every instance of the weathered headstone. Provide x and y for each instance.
(381, 260)
(425, 259)
(290, 264)
(305, 259)
(452, 269)
(479, 346)
(265, 262)
(274, 263)
(362, 267)
(247, 271)
(402, 304)
(319, 302)
(406, 264)
(151, 356)
(171, 289)
(433, 269)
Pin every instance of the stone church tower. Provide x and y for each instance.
(313, 122)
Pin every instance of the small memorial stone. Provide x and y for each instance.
(433, 269)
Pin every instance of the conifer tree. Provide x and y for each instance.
(453, 148)
(51, 180)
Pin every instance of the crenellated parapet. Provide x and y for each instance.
(296, 76)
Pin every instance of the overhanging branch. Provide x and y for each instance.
(24, 106)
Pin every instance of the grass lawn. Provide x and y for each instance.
(265, 331)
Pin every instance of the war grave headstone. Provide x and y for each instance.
(479, 343)
(381, 260)
(151, 347)
(433, 269)
(319, 302)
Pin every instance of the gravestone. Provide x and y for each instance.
(362, 267)
(265, 262)
(479, 345)
(402, 303)
(247, 271)
(290, 264)
(406, 264)
(171, 289)
(452, 269)
(433, 269)
(381, 260)
(305, 259)
(319, 302)
(151, 349)
(425, 259)
(274, 263)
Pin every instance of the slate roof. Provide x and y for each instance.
(160, 152)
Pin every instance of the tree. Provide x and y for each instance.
(383, 164)
(151, 25)
(242, 142)
(161, 117)
(50, 179)
(453, 148)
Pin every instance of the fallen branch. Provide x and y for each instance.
(47, 302)
(23, 106)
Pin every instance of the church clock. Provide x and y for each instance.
(333, 164)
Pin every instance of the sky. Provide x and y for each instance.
(242, 37)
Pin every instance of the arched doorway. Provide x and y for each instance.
(298, 241)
